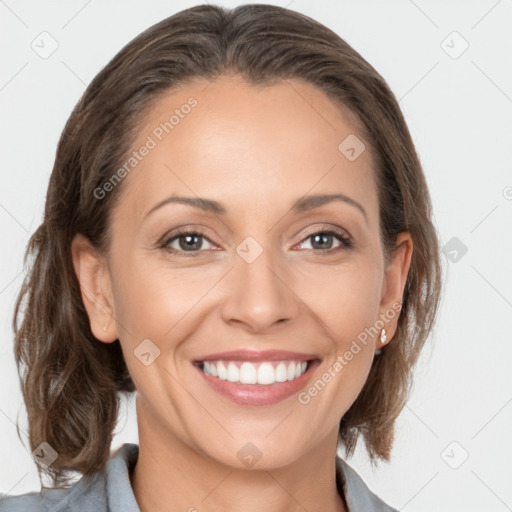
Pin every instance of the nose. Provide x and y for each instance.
(260, 294)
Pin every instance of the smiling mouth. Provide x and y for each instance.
(264, 373)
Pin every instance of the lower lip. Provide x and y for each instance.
(257, 394)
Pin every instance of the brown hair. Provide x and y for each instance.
(71, 382)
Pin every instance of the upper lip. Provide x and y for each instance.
(257, 355)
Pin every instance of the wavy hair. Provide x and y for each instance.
(71, 382)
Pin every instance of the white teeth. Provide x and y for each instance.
(221, 370)
(233, 372)
(291, 372)
(265, 373)
(248, 374)
(282, 372)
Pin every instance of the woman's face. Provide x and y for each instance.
(267, 265)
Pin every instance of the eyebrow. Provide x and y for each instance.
(301, 205)
(310, 202)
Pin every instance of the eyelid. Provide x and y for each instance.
(185, 229)
(324, 229)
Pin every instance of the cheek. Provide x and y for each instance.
(347, 298)
(349, 306)
(156, 303)
(151, 298)
(347, 303)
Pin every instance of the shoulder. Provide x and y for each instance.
(89, 494)
(49, 499)
(357, 494)
(87, 491)
(23, 503)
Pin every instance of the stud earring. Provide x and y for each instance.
(383, 336)
(106, 326)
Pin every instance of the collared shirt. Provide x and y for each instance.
(110, 490)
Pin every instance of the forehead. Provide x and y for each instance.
(248, 145)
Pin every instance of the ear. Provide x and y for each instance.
(394, 282)
(94, 278)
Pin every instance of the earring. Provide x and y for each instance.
(383, 336)
(106, 326)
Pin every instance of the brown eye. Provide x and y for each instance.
(186, 241)
(324, 240)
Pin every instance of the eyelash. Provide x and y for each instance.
(346, 241)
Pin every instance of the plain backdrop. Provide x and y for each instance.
(448, 62)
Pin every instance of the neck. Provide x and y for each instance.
(171, 475)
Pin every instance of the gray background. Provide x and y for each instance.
(458, 105)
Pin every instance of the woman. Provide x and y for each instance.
(238, 228)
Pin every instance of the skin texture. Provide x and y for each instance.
(256, 150)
